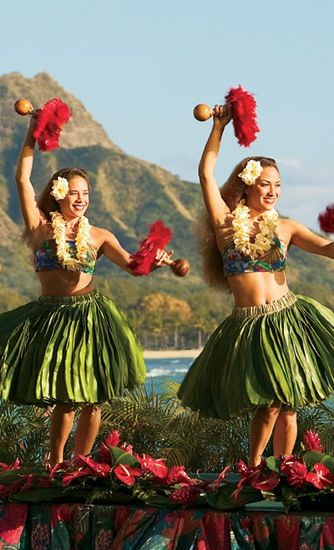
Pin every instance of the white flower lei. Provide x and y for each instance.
(242, 226)
(63, 248)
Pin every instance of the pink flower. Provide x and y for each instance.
(127, 474)
(295, 471)
(321, 478)
(312, 441)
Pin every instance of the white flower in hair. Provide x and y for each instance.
(251, 172)
(59, 188)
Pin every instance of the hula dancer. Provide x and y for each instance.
(275, 352)
(72, 346)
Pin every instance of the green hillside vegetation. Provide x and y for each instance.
(127, 195)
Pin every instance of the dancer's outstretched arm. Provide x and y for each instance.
(304, 238)
(216, 207)
(31, 213)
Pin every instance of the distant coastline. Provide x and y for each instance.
(171, 353)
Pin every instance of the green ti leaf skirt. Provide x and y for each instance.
(283, 350)
(68, 349)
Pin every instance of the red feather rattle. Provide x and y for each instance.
(158, 237)
(326, 219)
(50, 120)
(243, 114)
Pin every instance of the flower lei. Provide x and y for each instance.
(63, 248)
(242, 227)
(251, 172)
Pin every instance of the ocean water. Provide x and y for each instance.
(160, 370)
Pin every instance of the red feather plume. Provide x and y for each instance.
(326, 219)
(158, 237)
(50, 120)
(244, 115)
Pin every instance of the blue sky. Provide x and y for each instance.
(140, 67)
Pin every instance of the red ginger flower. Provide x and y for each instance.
(295, 471)
(321, 478)
(312, 441)
(187, 494)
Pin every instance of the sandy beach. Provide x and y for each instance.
(171, 354)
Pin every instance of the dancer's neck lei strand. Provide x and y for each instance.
(63, 248)
(242, 225)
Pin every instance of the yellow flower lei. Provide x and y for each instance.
(242, 226)
(63, 248)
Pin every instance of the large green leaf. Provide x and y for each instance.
(122, 457)
(312, 457)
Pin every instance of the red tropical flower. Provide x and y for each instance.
(266, 482)
(68, 478)
(295, 470)
(221, 477)
(257, 477)
(177, 474)
(99, 469)
(156, 466)
(312, 441)
(14, 466)
(112, 440)
(321, 478)
(127, 474)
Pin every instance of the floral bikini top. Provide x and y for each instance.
(235, 263)
(46, 259)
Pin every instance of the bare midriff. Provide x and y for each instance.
(65, 283)
(257, 289)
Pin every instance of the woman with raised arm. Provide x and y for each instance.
(275, 352)
(72, 346)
